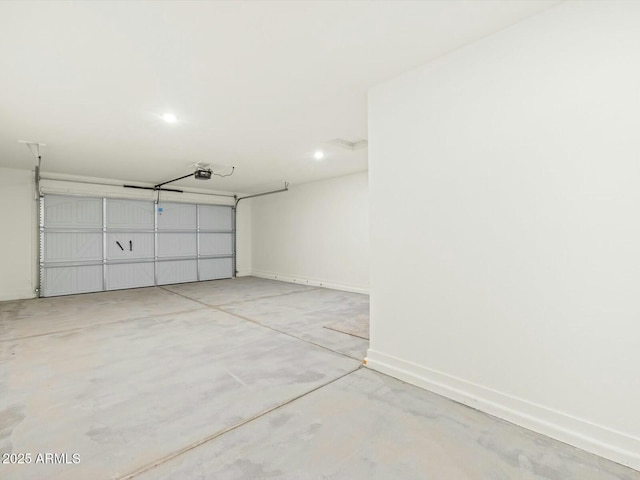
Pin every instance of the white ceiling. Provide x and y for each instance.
(259, 85)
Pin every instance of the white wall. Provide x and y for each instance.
(75, 185)
(243, 235)
(316, 233)
(17, 234)
(505, 190)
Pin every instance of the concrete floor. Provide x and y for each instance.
(238, 379)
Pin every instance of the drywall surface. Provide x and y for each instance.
(17, 234)
(506, 274)
(76, 185)
(243, 234)
(316, 233)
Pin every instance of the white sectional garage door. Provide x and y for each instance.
(94, 244)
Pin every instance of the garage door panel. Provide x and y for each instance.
(130, 214)
(215, 217)
(70, 280)
(215, 268)
(216, 243)
(130, 275)
(72, 246)
(176, 216)
(177, 271)
(133, 245)
(72, 212)
(177, 245)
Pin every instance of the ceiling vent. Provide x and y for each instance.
(349, 143)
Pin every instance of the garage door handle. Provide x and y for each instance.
(130, 246)
(120, 246)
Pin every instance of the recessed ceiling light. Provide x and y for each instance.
(318, 155)
(169, 118)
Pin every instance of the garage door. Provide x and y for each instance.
(94, 244)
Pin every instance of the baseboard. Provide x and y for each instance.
(17, 295)
(600, 440)
(311, 281)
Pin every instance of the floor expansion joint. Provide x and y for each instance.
(97, 325)
(264, 297)
(284, 333)
(221, 308)
(216, 435)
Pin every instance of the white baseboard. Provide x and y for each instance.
(600, 440)
(311, 281)
(17, 295)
